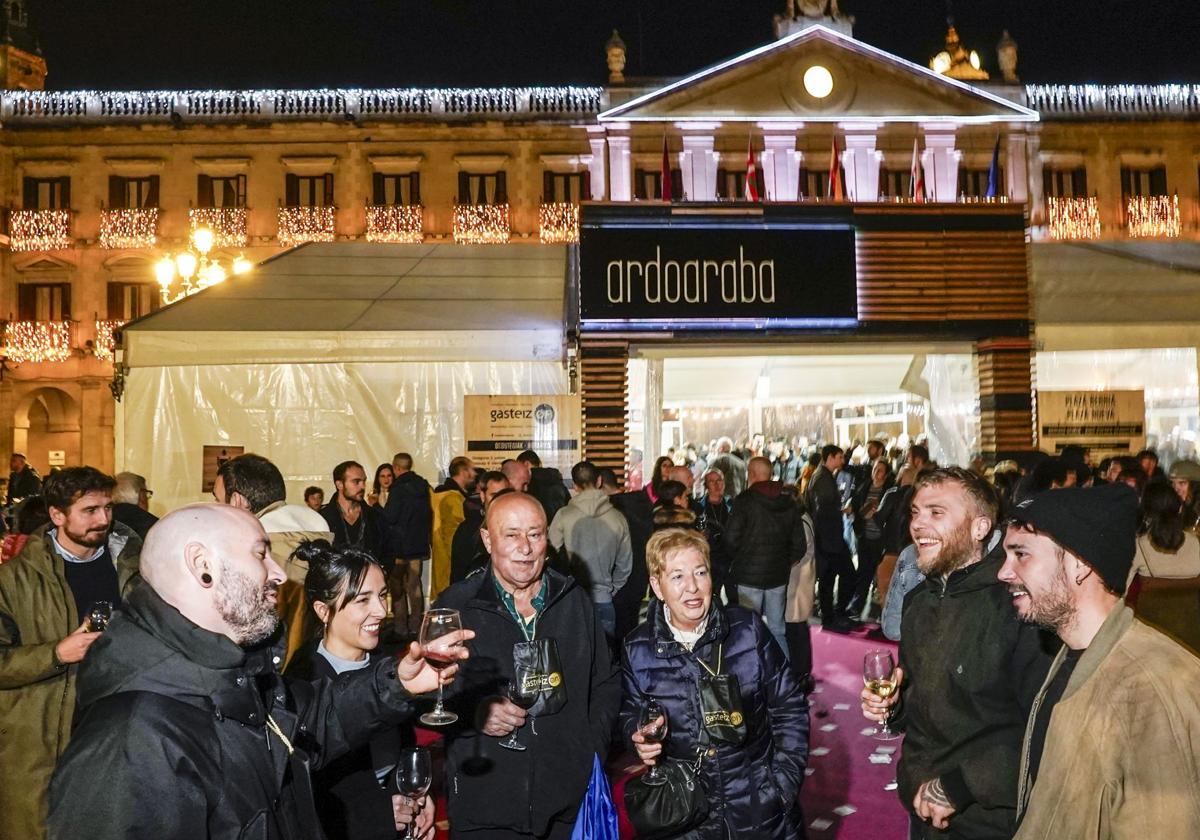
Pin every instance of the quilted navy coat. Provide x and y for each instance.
(753, 788)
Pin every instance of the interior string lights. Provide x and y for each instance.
(39, 230)
(129, 227)
(228, 224)
(298, 225)
(481, 224)
(106, 339)
(193, 268)
(38, 341)
(1153, 216)
(559, 223)
(1073, 218)
(395, 223)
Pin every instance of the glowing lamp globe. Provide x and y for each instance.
(818, 81)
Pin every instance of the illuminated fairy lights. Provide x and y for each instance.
(395, 223)
(129, 228)
(38, 341)
(1152, 216)
(106, 339)
(228, 224)
(1073, 218)
(481, 224)
(1129, 101)
(39, 230)
(559, 223)
(298, 225)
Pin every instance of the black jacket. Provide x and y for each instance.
(895, 514)
(23, 484)
(137, 519)
(492, 787)
(366, 534)
(466, 549)
(408, 518)
(546, 485)
(173, 740)
(824, 503)
(764, 536)
(972, 669)
(638, 511)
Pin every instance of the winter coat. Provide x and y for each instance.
(466, 550)
(673, 516)
(752, 788)
(638, 511)
(547, 486)
(595, 538)
(23, 484)
(1122, 754)
(408, 518)
(894, 515)
(493, 787)
(971, 671)
(139, 521)
(37, 694)
(1151, 561)
(449, 511)
(824, 503)
(802, 582)
(173, 738)
(765, 536)
(368, 530)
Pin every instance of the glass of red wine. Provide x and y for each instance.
(652, 723)
(512, 690)
(439, 651)
(414, 775)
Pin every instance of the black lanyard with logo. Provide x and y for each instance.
(721, 704)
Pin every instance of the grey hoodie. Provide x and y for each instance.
(595, 537)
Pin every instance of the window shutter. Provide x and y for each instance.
(30, 200)
(760, 183)
(116, 192)
(1158, 180)
(65, 194)
(26, 302)
(66, 301)
(464, 188)
(501, 188)
(1080, 182)
(677, 185)
(152, 194)
(586, 192)
(415, 197)
(378, 197)
(548, 195)
(116, 301)
(204, 191)
(639, 183)
(291, 190)
(328, 202)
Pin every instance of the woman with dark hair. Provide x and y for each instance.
(355, 795)
(1165, 549)
(673, 509)
(661, 474)
(384, 476)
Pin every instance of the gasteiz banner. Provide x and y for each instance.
(501, 427)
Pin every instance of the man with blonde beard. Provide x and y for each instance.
(969, 669)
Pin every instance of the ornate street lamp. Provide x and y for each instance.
(193, 267)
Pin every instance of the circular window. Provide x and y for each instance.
(818, 81)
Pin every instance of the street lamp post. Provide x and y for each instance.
(194, 268)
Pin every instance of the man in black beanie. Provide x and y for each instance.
(1112, 746)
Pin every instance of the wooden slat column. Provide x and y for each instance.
(1006, 408)
(604, 390)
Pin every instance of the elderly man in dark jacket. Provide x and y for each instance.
(187, 731)
(537, 629)
(765, 537)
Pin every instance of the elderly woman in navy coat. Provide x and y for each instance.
(730, 698)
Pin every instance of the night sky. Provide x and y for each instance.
(146, 44)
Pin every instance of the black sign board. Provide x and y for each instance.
(722, 273)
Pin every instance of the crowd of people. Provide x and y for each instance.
(254, 668)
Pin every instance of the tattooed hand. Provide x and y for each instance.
(932, 805)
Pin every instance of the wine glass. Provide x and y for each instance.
(99, 614)
(652, 723)
(439, 653)
(414, 774)
(512, 691)
(879, 674)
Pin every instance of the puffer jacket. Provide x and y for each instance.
(595, 538)
(408, 517)
(173, 737)
(37, 695)
(752, 788)
(764, 536)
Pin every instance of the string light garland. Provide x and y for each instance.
(106, 339)
(1129, 101)
(481, 224)
(1073, 218)
(1151, 216)
(38, 341)
(228, 224)
(129, 228)
(39, 230)
(298, 225)
(559, 223)
(396, 223)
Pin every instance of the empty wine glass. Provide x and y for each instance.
(652, 723)
(512, 690)
(99, 614)
(439, 653)
(414, 775)
(879, 675)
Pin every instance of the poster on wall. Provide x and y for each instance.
(501, 427)
(214, 457)
(1107, 422)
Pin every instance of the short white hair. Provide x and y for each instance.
(129, 488)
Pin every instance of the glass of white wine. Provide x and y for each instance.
(879, 674)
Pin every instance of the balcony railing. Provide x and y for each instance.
(39, 230)
(1073, 218)
(1152, 216)
(106, 339)
(481, 224)
(129, 228)
(38, 341)
(298, 225)
(400, 223)
(559, 222)
(228, 224)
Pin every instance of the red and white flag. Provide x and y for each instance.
(836, 189)
(751, 188)
(916, 177)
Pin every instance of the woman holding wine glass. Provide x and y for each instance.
(707, 682)
(357, 796)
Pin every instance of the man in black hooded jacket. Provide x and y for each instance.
(186, 730)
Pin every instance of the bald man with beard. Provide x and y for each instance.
(186, 729)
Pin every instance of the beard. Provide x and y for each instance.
(91, 539)
(958, 549)
(245, 607)
(1055, 609)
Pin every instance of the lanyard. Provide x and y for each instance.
(711, 672)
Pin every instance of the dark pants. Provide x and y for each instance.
(558, 831)
(799, 647)
(870, 552)
(834, 571)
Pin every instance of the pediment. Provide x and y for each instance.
(869, 85)
(42, 263)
